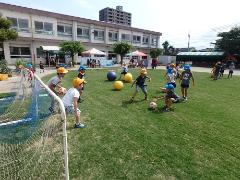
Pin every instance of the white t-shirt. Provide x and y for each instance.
(69, 97)
(54, 80)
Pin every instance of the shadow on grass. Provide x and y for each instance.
(160, 110)
(128, 102)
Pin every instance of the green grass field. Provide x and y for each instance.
(122, 140)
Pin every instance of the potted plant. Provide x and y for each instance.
(4, 70)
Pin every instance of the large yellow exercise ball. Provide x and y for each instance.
(128, 77)
(118, 85)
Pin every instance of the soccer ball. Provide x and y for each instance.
(62, 90)
(153, 105)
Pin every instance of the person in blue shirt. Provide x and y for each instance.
(124, 71)
(140, 84)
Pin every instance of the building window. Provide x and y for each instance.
(64, 30)
(136, 39)
(145, 40)
(154, 41)
(19, 24)
(43, 27)
(113, 36)
(83, 32)
(99, 34)
(126, 37)
(20, 52)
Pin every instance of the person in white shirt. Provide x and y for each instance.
(54, 83)
(70, 101)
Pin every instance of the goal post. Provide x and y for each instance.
(33, 141)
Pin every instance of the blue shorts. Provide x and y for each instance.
(71, 110)
(143, 88)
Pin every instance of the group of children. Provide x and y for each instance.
(219, 68)
(72, 96)
(169, 89)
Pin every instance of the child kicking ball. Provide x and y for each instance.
(140, 84)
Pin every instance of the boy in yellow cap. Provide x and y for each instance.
(140, 84)
(54, 83)
(70, 101)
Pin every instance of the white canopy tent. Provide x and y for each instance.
(50, 48)
(93, 51)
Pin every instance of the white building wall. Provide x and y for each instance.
(103, 45)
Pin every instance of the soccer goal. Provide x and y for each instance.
(33, 141)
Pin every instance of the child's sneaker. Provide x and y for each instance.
(80, 100)
(166, 109)
(80, 125)
(51, 110)
(131, 100)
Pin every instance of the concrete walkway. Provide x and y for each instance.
(12, 84)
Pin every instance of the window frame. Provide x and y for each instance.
(124, 39)
(99, 37)
(17, 26)
(43, 30)
(113, 37)
(20, 53)
(64, 33)
(135, 39)
(84, 34)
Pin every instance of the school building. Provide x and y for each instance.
(37, 28)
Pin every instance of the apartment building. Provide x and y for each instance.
(117, 16)
(38, 28)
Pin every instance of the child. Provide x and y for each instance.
(81, 75)
(140, 84)
(170, 76)
(185, 81)
(55, 82)
(169, 96)
(70, 101)
(124, 71)
(41, 67)
(231, 67)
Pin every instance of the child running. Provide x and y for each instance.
(140, 84)
(185, 80)
(54, 83)
(70, 101)
(124, 71)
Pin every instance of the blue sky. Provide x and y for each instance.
(175, 19)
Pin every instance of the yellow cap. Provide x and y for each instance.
(143, 71)
(173, 65)
(77, 81)
(62, 70)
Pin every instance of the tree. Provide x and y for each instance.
(230, 41)
(122, 48)
(6, 34)
(154, 53)
(72, 47)
(166, 47)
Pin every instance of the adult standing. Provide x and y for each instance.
(154, 63)
(231, 67)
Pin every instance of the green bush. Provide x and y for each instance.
(20, 62)
(4, 68)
